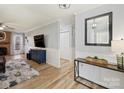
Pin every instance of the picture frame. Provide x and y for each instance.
(98, 30)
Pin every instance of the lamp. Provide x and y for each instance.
(118, 47)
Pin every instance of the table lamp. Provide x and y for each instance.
(118, 47)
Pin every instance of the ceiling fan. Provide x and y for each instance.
(64, 6)
(5, 26)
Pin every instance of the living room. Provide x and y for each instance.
(45, 50)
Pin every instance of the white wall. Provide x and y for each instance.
(51, 34)
(118, 32)
(105, 77)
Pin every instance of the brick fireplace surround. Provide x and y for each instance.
(6, 42)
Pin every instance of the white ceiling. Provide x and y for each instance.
(25, 17)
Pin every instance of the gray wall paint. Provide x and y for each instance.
(51, 35)
(52, 39)
(118, 32)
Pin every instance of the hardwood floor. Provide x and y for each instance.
(50, 77)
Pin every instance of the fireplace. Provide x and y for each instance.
(3, 51)
(5, 44)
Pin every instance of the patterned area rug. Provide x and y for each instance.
(16, 71)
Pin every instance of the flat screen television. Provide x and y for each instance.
(39, 41)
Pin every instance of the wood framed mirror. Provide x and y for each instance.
(98, 30)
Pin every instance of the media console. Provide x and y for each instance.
(38, 55)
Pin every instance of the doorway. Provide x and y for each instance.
(66, 45)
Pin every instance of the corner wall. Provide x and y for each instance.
(51, 34)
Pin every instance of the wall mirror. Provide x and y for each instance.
(98, 30)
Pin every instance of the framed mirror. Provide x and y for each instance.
(98, 30)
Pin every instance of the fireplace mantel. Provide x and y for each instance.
(4, 43)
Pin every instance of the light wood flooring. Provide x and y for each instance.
(50, 77)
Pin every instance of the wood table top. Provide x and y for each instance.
(107, 66)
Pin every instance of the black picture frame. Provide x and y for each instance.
(110, 14)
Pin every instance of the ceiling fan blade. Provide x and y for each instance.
(10, 27)
(6, 25)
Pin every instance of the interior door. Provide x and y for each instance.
(65, 45)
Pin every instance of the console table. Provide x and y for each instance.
(38, 55)
(98, 73)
